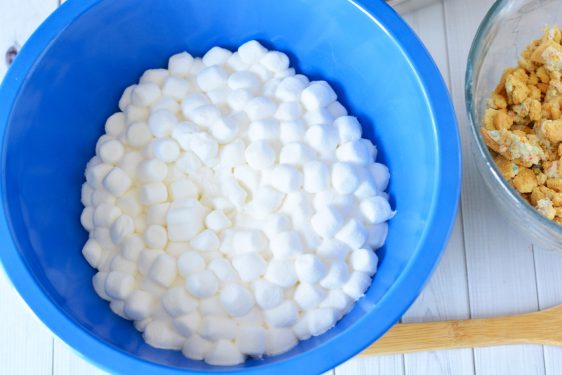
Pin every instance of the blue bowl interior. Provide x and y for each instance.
(75, 84)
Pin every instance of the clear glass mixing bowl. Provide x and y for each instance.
(509, 26)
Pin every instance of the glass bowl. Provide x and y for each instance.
(508, 27)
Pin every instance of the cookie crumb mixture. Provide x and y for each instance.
(522, 124)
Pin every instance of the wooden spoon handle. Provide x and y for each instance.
(414, 337)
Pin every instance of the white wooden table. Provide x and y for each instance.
(488, 268)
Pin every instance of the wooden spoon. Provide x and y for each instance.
(541, 327)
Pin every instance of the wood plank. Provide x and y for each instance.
(499, 262)
(548, 266)
(381, 365)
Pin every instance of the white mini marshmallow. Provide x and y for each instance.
(282, 316)
(111, 151)
(165, 149)
(377, 235)
(125, 99)
(185, 219)
(322, 138)
(98, 282)
(217, 221)
(321, 320)
(251, 340)
(286, 178)
(236, 300)
(156, 76)
(316, 176)
(180, 64)
(216, 56)
(190, 262)
(222, 269)
(284, 73)
(364, 260)
(244, 80)
(139, 305)
(367, 187)
(275, 61)
(296, 153)
(263, 130)
(145, 94)
(93, 252)
(218, 97)
(260, 108)
(211, 78)
(224, 353)
(266, 200)
(196, 67)
(146, 259)
(131, 247)
(279, 340)
(301, 330)
(232, 154)
(122, 264)
(348, 128)
(260, 155)
(206, 240)
(188, 324)
(249, 266)
(103, 236)
(225, 129)
(337, 276)
(320, 116)
(286, 245)
(354, 152)
(161, 123)
(251, 52)
(290, 89)
(105, 214)
(205, 115)
(248, 177)
(140, 224)
(166, 103)
(267, 295)
(196, 347)
(175, 87)
(345, 179)
(337, 300)
(318, 94)
(292, 131)
(337, 110)
(376, 210)
(357, 284)
(309, 268)
(202, 284)
(96, 174)
(182, 189)
(192, 102)
(134, 114)
(152, 193)
(235, 63)
(327, 221)
(309, 296)
(212, 306)
(249, 241)
(176, 301)
(164, 270)
(281, 272)
(161, 334)
(87, 218)
(119, 285)
(130, 162)
(86, 194)
(288, 111)
(152, 170)
(233, 191)
(381, 175)
(237, 99)
(117, 182)
(115, 124)
(276, 223)
(353, 234)
(217, 327)
(138, 134)
(121, 228)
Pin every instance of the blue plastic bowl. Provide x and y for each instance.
(67, 81)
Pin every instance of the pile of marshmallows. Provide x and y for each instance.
(233, 207)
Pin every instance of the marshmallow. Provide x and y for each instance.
(224, 130)
(251, 52)
(261, 71)
(326, 198)
(188, 163)
(140, 224)
(321, 320)
(135, 114)
(130, 162)
(217, 221)
(327, 221)
(86, 195)
(196, 67)
(180, 64)
(263, 130)
(165, 149)
(316, 176)
(289, 89)
(111, 151)
(233, 191)
(281, 272)
(237, 99)
(121, 228)
(224, 353)
(345, 179)
(248, 177)
(164, 270)
(353, 234)
(216, 56)
(98, 282)
(249, 241)
(318, 94)
(196, 347)
(205, 147)
(276, 223)
(138, 134)
(185, 219)
(286, 245)
(236, 299)
(301, 330)
(279, 340)
(320, 116)
(157, 214)
(260, 155)
(212, 306)
(376, 210)
(190, 262)
(205, 115)
(177, 302)
(96, 174)
(103, 237)
(377, 235)
(381, 175)
(165, 103)
(309, 268)
(105, 214)
(145, 94)
(119, 285)
(131, 247)
(152, 193)
(270, 86)
(284, 73)
(192, 102)
(161, 334)
(283, 315)
(260, 108)
(222, 269)
(118, 307)
(176, 249)
(251, 340)
(218, 97)
(146, 258)
(322, 138)
(296, 153)
(188, 324)
(227, 240)
(337, 110)
(267, 295)
(206, 240)
(291, 131)
(87, 218)
(266, 200)
(202, 284)
(364, 260)
(348, 128)
(337, 275)
(211, 78)
(357, 284)
(249, 266)
(139, 305)
(117, 182)
(244, 80)
(354, 152)
(217, 327)
(175, 87)
(125, 99)
(275, 61)
(288, 111)
(232, 154)
(367, 187)
(121, 264)
(182, 189)
(286, 178)
(161, 123)
(235, 63)
(337, 300)
(308, 296)
(93, 252)
(156, 76)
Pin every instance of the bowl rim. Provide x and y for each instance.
(478, 140)
(410, 282)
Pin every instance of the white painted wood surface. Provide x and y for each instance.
(487, 269)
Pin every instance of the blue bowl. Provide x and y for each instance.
(67, 80)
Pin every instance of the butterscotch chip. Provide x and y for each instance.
(525, 180)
